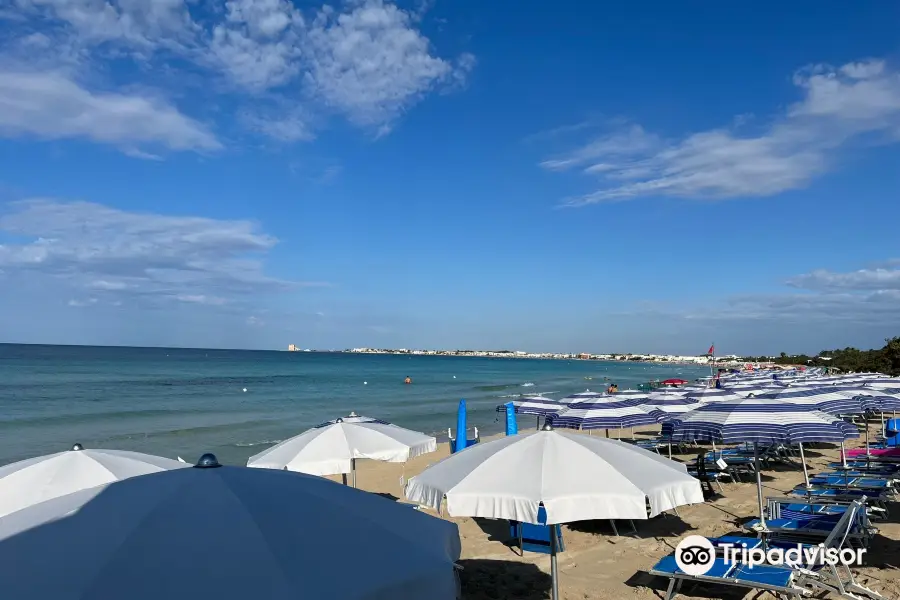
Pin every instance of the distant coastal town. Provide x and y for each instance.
(654, 358)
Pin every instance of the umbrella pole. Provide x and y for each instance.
(554, 581)
(759, 489)
(803, 462)
(353, 470)
(866, 422)
(670, 450)
(844, 455)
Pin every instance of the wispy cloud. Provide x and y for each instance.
(365, 60)
(865, 297)
(155, 257)
(858, 101)
(53, 106)
(880, 279)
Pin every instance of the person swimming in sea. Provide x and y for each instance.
(407, 380)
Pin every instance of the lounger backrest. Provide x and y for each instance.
(842, 528)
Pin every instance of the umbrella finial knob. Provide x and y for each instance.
(547, 427)
(207, 461)
(339, 420)
(76, 447)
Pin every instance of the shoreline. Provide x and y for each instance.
(542, 356)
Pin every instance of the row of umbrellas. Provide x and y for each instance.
(109, 524)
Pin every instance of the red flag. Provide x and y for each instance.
(711, 351)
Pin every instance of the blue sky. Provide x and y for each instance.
(651, 176)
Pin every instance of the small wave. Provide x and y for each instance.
(527, 385)
(262, 443)
(528, 394)
(495, 388)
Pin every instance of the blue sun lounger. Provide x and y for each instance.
(779, 580)
(861, 483)
(784, 580)
(796, 508)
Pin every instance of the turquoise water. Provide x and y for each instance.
(176, 402)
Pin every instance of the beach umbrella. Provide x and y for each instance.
(661, 397)
(35, 480)
(884, 382)
(832, 399)
(610, 415)
(714, 395)
(226, 533)
(573, 477)
(760, 422)
(539, 406)
(334, 447)
(585, 396)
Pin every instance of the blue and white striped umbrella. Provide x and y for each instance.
(882, 399)
(585, 396)
(760, 421)
(668, 412)
(757, 387)
(667, 400)
(611, 415)
(715, 395)
(831, 399)
(534, 405)
(884, 382)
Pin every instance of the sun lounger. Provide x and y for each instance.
(792, 581)
(778, 580)
(817, 527)
(861, 483)
(796, 508)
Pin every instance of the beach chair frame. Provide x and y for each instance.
(794, 589)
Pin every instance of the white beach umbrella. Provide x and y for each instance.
(574, 477)
(333, 447)
(226, 533)
(35, 480)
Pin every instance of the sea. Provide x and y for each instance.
(235, 403)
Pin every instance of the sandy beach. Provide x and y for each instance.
(598, 565)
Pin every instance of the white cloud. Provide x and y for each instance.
(866, 296)
(366, 60)
(288, 126)
(857, 101)
(878, 279)
(371, 63)
(52, 106)
(258, 44)
(82, 303)
(141, 22)
(156, 257)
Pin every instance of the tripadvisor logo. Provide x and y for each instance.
(695, 555)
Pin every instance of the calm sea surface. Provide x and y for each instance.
(177, 402)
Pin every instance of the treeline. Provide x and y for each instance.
(849, 360)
